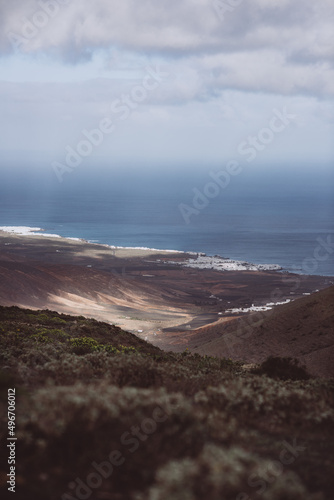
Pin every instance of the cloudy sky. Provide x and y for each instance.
(167, 81)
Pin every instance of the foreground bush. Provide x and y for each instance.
(63, 431)
(103, 415)
(228, 474)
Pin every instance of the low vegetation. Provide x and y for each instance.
(102, 414)
(283, 369)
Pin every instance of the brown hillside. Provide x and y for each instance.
(303, 329)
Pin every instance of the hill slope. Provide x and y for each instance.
(303, 329)
(102, 414)
(139, 290)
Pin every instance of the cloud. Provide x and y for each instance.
(178, 27)
(227, 71)
(265, 45)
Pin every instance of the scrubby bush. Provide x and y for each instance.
(84, 345)
(62, 431)
(220, 473)
(43, 318)
(84, 385)
(259, 400)
(283, 369)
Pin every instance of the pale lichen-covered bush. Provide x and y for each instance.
(225, 474)
(66, 428)
(52, 412)
(263, 398)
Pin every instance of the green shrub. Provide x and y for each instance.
(57, 321)
(84, 345)
(43, 318)
(119, 349)
(32, 318)
(41, 335)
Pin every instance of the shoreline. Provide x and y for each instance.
(37, 231)
(197, 260)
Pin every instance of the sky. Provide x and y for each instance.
(173, 83)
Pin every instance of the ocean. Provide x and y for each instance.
(281, 218)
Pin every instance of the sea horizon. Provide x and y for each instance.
(274, 216)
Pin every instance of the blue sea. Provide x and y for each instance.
(277, 216)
